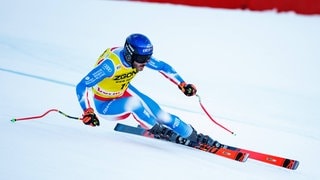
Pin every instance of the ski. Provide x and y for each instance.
(223, 152)
(267, 158)
(227, 151)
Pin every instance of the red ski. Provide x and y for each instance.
(270, 159)
(227, 151)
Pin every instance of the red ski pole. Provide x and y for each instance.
(44, 114)
(204, 109)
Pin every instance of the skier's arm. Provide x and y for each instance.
(165, 69)
(170, 73)
(103, 70)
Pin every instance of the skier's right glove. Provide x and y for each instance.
(90, 118)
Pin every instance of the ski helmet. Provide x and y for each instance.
(137, 48)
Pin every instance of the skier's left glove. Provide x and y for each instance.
(188, 89)
(90, 118)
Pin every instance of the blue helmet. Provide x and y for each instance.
(137, 48)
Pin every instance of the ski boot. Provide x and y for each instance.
(201, 140)
(161, 132)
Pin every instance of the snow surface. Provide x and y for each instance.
(256, 72)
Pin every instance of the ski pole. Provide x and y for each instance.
(204, 109)
(44, 114)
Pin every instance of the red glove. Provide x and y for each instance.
(188, 89)
(90, 118)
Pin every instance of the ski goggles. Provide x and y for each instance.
(141, 58)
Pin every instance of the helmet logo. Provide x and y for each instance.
(147, 50)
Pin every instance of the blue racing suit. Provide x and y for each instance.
(115, 98)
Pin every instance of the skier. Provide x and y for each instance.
(115, 98)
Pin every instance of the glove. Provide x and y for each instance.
(188, 89)
(90, 118)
